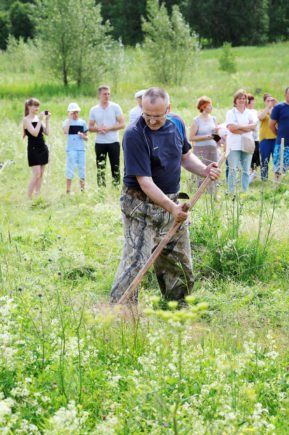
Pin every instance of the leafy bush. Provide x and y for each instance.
(225, 251)
(24, 56)
(170, 45)
(227, 61)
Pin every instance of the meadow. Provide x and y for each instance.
(69, 364)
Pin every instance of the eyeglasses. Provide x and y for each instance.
(148, 117)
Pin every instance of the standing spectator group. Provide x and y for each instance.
(247, 134)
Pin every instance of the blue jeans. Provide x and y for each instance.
(238, 159)
(266, 150)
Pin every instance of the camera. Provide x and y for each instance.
(46, 112)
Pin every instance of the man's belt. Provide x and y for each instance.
(138, 194)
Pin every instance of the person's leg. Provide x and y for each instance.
(70, 163)
(100, 151)
(255, 162)
(36, 174)
(81, 168)
(286, 159)
(39, 180)
(227, 169)
(233, 162)
(173, 267)
(113, 154)
(137, 245)
(68, 185)
(276, 164)
(265, 150)
(245, 159)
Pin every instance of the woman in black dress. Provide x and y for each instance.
(37, 149)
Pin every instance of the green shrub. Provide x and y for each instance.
(227, 60)
(170, 45)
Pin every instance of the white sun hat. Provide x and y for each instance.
(139, 93)
(73, 107)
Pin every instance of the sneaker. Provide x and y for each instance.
(252, 177)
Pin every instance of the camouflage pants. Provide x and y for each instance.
(145, 224)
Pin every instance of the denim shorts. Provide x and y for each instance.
(73, 159)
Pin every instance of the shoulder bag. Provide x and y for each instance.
(247, 143)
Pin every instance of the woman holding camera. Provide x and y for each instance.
(203, 135)
(34, 128)
(266, 136)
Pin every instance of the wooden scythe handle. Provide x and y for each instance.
(128, 293)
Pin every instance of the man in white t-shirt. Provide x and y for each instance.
(105, 119)
(136, 112)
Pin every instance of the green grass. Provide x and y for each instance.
(70, 365)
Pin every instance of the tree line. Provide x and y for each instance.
(243, 22)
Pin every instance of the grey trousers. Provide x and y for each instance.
(144, 226)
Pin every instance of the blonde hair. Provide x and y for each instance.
(30, 102)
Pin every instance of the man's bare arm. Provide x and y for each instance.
(158, 197)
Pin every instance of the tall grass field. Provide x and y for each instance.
(71, 364)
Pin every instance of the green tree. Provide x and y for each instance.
(4, 29)
(169, 43)
(244, 22)
(75, 40)
(22, 21)
(125, 18)
(279, 20)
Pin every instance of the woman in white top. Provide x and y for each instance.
(203, 133)
(239, 122)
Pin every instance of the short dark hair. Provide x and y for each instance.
(266, 95)
(286, 90)
(155, 93)
(250, 98)
(103, 87)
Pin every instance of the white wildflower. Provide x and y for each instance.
(68, 420)
(272, 355)
(27, 428)
(107, 427)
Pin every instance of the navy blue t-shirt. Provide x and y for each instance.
(280, 113)
(154, 153)
(176, 119)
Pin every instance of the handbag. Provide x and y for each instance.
(247, 144)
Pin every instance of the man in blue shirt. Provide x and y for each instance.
(154, 151)
(279, 124)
